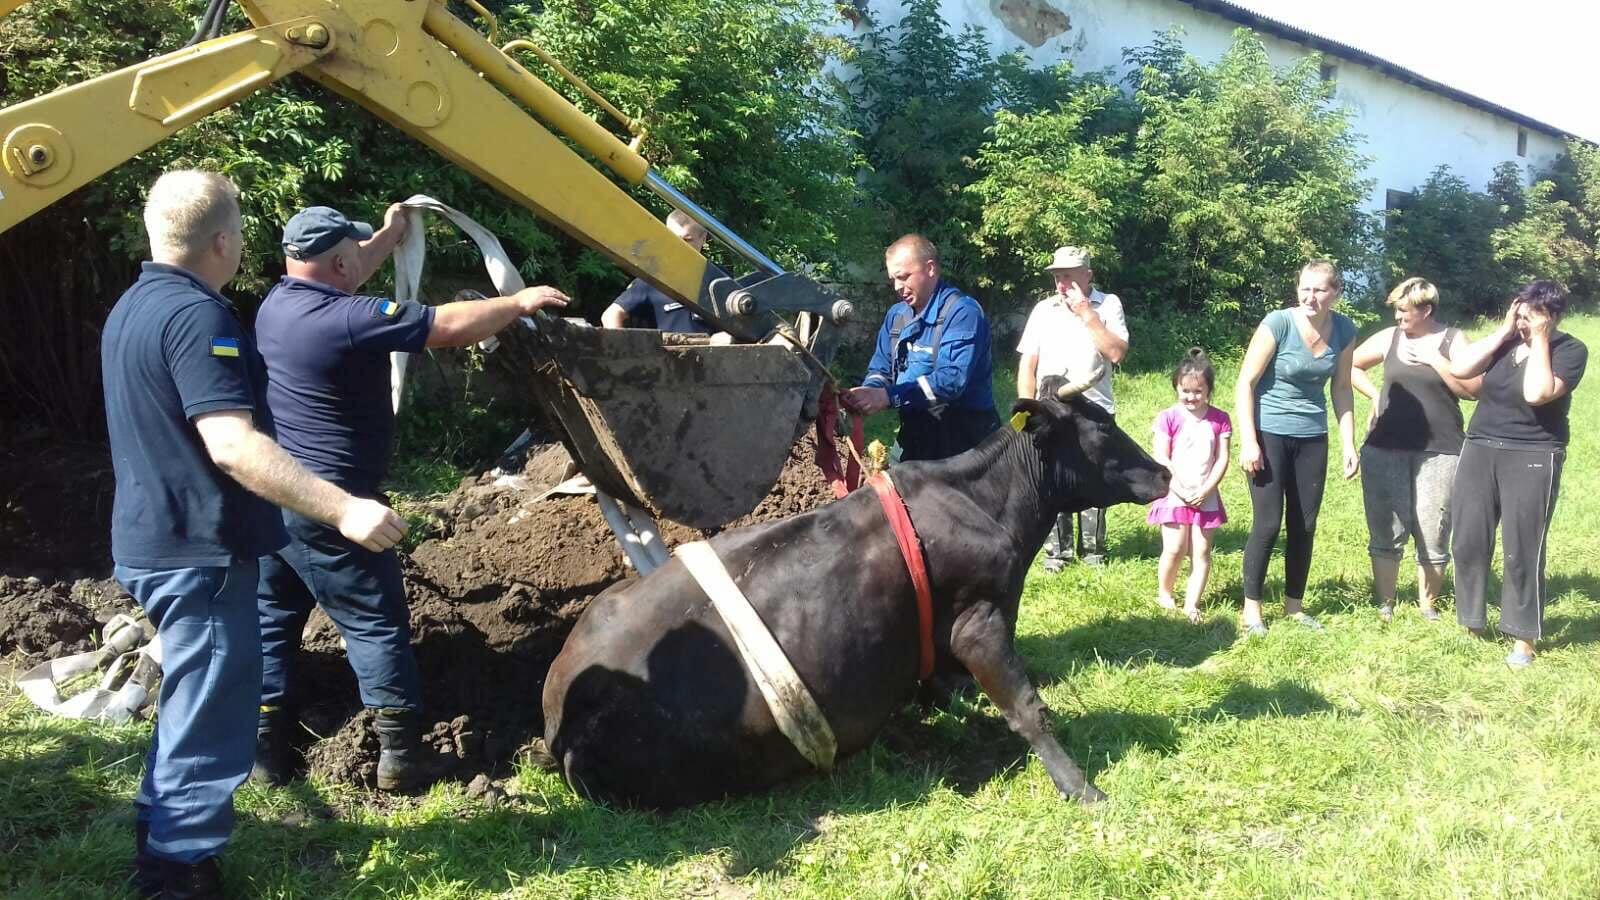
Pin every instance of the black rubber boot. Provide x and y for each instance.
(402, 760)
(272, 747)
(192, 881)
(148, 870)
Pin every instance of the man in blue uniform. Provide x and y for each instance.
(197, 477)
(327, 353)
(932, 360)
(645, 303)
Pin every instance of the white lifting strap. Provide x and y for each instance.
(791, 703)
(408, 262)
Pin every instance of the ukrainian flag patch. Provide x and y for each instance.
(224, 346)
(388, 309)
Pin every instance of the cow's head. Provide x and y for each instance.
(1089, 461)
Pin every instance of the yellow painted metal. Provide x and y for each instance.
(6, 6)
(387, 63)
(634, 126)
(54, 144)
(543, 100)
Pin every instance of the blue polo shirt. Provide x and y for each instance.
(644, 300)
(958, 373)
(173, 349)
(327, 355)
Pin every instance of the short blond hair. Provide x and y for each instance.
(922, 248)
(185, 209)
(1412, 293)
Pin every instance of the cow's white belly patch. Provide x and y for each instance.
(791, 703)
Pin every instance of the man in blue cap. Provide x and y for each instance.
(932, 361)
(198, 478)
(327, 353)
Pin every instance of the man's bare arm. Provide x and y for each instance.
(265, 469)
(469, 321)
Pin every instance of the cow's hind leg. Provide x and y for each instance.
(982, 642)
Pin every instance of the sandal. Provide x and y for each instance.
(1192, 614)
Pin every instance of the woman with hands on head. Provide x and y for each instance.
(1510, 469)
(1414, 435)
(1283, 432)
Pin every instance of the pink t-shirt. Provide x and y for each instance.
(1195, 443)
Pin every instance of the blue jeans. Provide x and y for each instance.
(361, 591)
(205, 735)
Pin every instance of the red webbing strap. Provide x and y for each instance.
(847, 480)
(894, 509)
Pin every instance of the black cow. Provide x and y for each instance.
(649, 703)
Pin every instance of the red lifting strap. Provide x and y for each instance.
(894, 508)
(843, 482)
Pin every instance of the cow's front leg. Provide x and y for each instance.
(981, 640)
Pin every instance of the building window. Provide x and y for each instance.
(1330, 72)
(1393, 199)
(1522, 142)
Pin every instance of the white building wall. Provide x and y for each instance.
(1408, 131)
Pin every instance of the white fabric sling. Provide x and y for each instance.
(408, 261)
(791, 703)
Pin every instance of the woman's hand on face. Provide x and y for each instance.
(1508, 328)
(1249, 456)
(1352, 463)
(1539, 323)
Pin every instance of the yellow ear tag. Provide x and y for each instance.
(1019, 421)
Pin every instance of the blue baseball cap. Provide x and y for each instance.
(315, 230)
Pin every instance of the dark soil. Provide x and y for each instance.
(55, 509)
(48, 619)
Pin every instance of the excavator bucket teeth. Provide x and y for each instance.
(689, 431)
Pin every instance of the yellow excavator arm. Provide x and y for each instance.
(417, 67)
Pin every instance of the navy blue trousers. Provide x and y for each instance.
(205, 734)
(361, 591)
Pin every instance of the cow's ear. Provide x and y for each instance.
(1034, 413)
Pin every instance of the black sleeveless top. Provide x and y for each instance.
(1416, 410)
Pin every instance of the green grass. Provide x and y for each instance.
(1365, 761)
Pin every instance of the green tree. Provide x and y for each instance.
(1443, 234)
(924, 99)
(1549, 242)
(1045, 180)
(732, 96)
(1246, 172)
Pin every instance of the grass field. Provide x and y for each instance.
(1368, 760)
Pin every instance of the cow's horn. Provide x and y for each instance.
(1068, 391)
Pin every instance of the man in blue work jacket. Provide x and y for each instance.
(327, 353)
(198, 477)
(932, 360)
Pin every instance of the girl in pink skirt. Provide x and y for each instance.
(1191, 440)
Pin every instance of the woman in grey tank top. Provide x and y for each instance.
(1414, 438)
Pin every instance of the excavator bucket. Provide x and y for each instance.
(687, 430)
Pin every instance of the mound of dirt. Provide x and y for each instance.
(492, 599)
(49, 619)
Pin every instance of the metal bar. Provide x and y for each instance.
(717, 230)
(554, 109)
(631, 125)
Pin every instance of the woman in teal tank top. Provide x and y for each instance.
(1283, 432)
